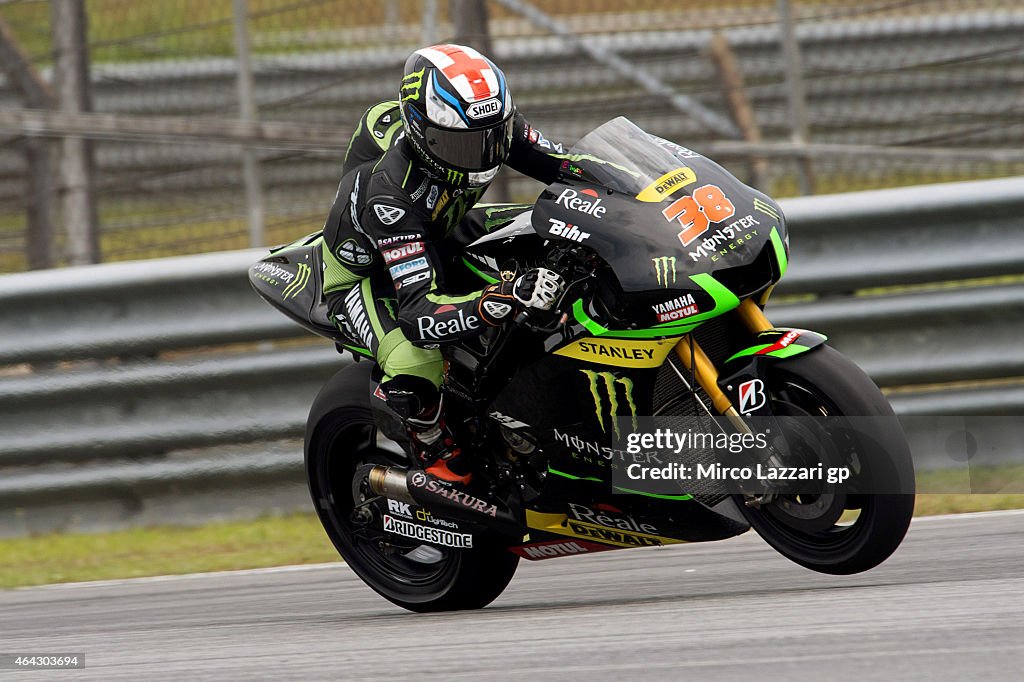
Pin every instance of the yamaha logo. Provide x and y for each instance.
(483, 109)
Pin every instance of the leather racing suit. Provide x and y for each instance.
(386, 241)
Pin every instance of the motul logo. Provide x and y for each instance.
(789, 338)
(784, 341)
(676, 309)
(557, 549)
(403, 251)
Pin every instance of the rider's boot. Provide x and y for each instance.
(421, 407)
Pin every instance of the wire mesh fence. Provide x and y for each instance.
(890, 92)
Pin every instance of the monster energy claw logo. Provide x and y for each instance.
(662, 267)
(610, 382)
(299, 284)
(455, 177)
(389, 303)
(413, 82)
(766, 208)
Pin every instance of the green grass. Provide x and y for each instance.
(975, 480)
(72, 557)
(277, 541)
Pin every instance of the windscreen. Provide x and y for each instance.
(622, 157)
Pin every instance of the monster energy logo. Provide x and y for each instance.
(299, 284)
(662, 267)
(412, 82)
(455, 177)
(611, 384)
(766, 208)
(389, 304)
(456, 209)
(492, 220)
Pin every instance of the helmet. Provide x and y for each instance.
(457, 112)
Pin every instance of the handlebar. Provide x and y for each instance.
(522, 318)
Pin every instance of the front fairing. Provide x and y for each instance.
(619, 193)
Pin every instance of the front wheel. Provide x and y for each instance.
(341, 436)
(812, 530)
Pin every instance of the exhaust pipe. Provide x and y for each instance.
(421, 489)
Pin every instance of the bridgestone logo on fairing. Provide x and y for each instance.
(434, 536)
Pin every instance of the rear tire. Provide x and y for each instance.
(340, 436)
(823, 381)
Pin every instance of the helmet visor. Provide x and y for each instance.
(469, 150)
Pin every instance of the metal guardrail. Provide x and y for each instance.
(914, 235)
(114, 420)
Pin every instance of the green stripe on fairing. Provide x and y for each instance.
(556, 472)
(660, 497)
(482, 275)
(749, 351)
(787, 352)
(780, 251)
(725, 301)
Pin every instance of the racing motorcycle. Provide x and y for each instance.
(669, 261)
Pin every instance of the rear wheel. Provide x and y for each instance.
(341, 436)
(841, 531)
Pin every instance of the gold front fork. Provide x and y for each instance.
(705, 372)
(753, 317)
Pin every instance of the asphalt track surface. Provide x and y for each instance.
(948, 605)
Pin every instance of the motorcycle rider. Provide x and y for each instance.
(413, 171)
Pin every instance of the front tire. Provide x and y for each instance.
(341, 436)
(824, 382)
